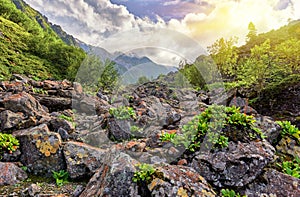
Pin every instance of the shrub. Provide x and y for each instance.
(145, 173)
(289, 130)
(213, 123)
(292, 168)
(70, 119)
(123, 113)
(60, 177)
(167, 136)
(8, 143)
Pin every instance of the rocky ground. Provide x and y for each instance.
(60, 127)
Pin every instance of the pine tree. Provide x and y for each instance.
(252, 32)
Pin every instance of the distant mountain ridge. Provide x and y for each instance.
(130, 65)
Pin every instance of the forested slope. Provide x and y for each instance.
(29, 46)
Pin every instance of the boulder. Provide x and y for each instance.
(82, 160)
(11, 174)
(236, 166)
(119, 129)
(114, 177)
(77, 88)
(13, 86)
(55, 103)
(85, 104)
(10, 120)
(23, 102)
(41, 150)
(179, 181)
(242, 103)
(97, 138)
(10, 156)
(274, 183)
(59, 123)
(269, 127)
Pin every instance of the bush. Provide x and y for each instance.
(214, 122)
(123, 113)
(145, 173)
(289, 130)
(8, 143)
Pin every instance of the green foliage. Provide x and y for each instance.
(262, 63)
(142, 80)
(60, 177)
(29, 46)
(259, 67)
(8, 143)
(289, 130)
(94, 74)
(211, 123)
(167, 136)
(70, 119)
(24, 168)
(135, 129)
(145, 173)
(39, 91)
(109, 77)
(224, 54)
(222, 141)
(230, 193)
(123, 113)
(202, 72)
(252, 32)
(292, 168)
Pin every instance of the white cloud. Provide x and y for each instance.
(99, 22)
(174, 2)
(231, 18)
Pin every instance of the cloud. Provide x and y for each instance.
(174, 2)
(112, 26)
(99, 19)
(231, 18)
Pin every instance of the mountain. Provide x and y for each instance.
(130, 66)
(148, 69)
(130, 60)
(29, 45)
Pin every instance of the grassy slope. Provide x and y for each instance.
(14, 56)
(29, 46)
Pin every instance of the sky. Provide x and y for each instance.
(167, 31)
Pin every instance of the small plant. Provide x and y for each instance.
(167, 136)
(230, 193)
(135, 129)
(289, 129)
(39, 91)
(60, 177)
(145, 173)
(123, 113)
(70, 119)
(292, 168)
(24, 168)
(35, 78)
(8, 143)
(223, 141)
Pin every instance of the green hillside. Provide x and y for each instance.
(267, 61)
(29, 46)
